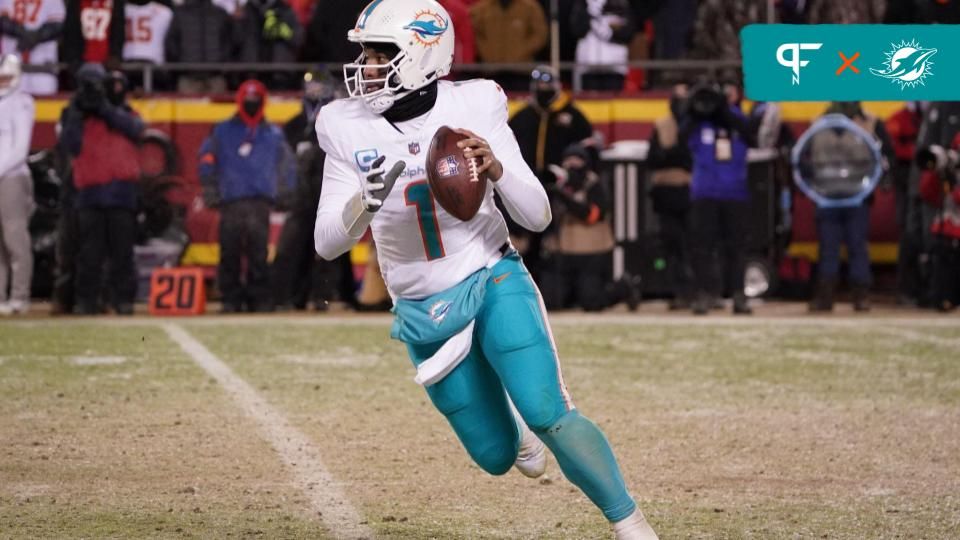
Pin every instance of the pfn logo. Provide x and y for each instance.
(794, 62)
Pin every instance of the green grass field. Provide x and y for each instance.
(817, 428)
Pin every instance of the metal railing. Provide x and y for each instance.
(148, 72)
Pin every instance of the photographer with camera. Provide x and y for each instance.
(718, 136)
(581, 246)
(940, 189)
(99, 133)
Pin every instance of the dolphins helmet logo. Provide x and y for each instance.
(428, 27)
(908, 64)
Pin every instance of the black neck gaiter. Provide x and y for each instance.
(412, 105)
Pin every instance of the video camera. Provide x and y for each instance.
(706, 101)
(945, 162)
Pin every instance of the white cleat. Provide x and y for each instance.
(634, 527)
(532, 458)
(14, 307)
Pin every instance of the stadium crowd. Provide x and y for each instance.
(249, 166)
(601, 36)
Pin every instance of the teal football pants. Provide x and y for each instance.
(513, 354)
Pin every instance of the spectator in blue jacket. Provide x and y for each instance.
(245, 164)
(718, 136)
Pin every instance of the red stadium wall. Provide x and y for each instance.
(188, 122)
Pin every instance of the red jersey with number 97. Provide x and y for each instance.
(95, 22)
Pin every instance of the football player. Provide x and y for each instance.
(17, 115)
(471, 317)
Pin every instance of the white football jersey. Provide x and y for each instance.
(421, 248)
(147, 26)
(16, 126)
(33, 14)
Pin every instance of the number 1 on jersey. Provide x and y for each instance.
(418, 194)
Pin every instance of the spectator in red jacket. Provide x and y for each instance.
(100, 133)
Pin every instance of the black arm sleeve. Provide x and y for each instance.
(123, 121)
(579, 19)
(49, 31)
(71, 131)
(171, 42)
(118, 29)
(10, 27)
(72, 46)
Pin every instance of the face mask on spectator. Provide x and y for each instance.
(252, 107)
(545, 97)
(251, 101)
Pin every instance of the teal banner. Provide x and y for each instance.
(851, 62)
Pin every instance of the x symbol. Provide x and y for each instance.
(848, 63)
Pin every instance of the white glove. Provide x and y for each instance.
(360, 209)
(378, 185)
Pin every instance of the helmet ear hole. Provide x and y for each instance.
(425, 59)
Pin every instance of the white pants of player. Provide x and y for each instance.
(16, 252)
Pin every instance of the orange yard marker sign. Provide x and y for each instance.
(177, 291)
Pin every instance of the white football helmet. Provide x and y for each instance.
(423, 32)
(9, 74)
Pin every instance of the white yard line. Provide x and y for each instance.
(324, 492)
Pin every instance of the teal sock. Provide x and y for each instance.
(586, 459)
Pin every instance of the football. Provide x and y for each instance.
(453, 179)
